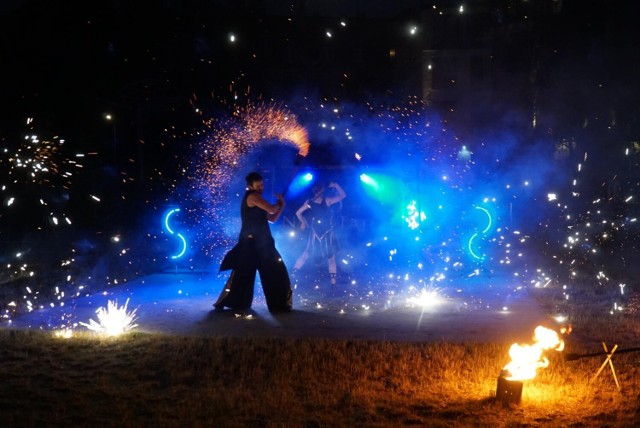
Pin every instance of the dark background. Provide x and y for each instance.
(67, 62)
(549, 70)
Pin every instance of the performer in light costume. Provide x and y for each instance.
(256, 250)
(321, 240)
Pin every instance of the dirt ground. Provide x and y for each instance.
(483, 309)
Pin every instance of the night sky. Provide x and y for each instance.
(67, 62)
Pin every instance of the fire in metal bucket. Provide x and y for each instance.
(525, 361)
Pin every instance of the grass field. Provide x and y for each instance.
(152, 380)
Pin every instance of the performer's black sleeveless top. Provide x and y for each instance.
(254, 220)
(320, 215)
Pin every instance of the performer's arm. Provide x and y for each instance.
(340, 196)
(280, 204)
(302, 209)
(256, 200)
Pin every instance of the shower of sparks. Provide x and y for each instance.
(35, 159)
(592, 228)
(41, 167)
(273, 123)
(113, 320)
(38, 174)
(228, 141)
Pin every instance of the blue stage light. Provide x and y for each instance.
(300, 182)
(383, 187)
(366, 179)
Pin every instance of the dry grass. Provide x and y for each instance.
(149, 380)
(589, 314)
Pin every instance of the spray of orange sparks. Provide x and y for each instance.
(527, 359)
(230, 140)
(268, 122)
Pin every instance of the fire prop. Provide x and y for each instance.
(113, 321)
(525, 361)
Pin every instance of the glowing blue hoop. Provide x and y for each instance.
(490, 221)
(475, 256)
(179, 235)
(484, 231)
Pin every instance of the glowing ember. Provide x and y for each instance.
(526, 359)
(113, 321)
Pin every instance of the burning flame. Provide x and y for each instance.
(527, 359)
(113, 321)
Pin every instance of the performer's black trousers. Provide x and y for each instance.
(262, 256)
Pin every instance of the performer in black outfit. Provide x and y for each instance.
(256, 250)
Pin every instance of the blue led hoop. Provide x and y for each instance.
(168, 228)
(475, 235)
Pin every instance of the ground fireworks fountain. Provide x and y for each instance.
(113, 320)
